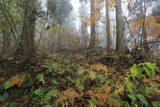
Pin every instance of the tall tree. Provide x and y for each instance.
(83, 19)
(5, 33)
(26, 43)
(92, 42)
(119, 27)
(109, 43)
(7, 23)
(138, 10)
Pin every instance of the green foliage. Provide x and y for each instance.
(79, 83)
(143, 100)
(92, 102)
(135, 87)
(40, 78)
(146, 68)
(51, 67)
(7, 85)
(61, 82)
(4, 97)
(43, 94)
(39, 92)
(10, 104)
(28, 83)
(49, 95)
(102, 78)
(54, 82)
(156, 103)
(13, 10)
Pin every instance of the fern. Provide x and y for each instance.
(146, 68)
(8, 84)
(47, 97)
(40, 78)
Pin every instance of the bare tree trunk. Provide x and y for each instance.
(26, 44)
(109, 43)
(144, 38)
(92, 42)
(144, 33)
(83, 18)
(119, 27)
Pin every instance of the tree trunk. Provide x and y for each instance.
(26, 44)
(6, 42)
(144, 33)
(109, 43)
(83, 17)
(92, 42)
(119, 27)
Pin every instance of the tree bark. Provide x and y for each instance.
(144, 33)
(119, 27)
(109, 43)
(92, 42)
(83, 17)
(144, 38)
(26, 44)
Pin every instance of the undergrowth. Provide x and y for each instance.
(81, 80)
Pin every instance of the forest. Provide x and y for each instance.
(79, 53)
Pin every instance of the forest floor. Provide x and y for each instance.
(93, 78)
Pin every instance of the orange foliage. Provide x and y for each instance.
(2, 79)
(99, 4)
(101, 68)
(151, 25)
(68, 97)
(17, 80)
(104, 96)
(71, 94)
(96, 13)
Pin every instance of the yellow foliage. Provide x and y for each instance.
(101, 68)
(104, 96)
(95, 15)
(147, 80)
(151, 25)
(71, 95)
(62, 100)
(111, 3)
(91, 93)
(157, 78)
(17, 80)
(68, 97)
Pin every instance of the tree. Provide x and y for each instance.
(119, 27)
(83, 21)
(138, 10)
(9, 15)
(109, 43)
(6, 42)
(92, 42)
(5, 34)
(26, 42)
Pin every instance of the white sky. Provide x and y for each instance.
(75, 11)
